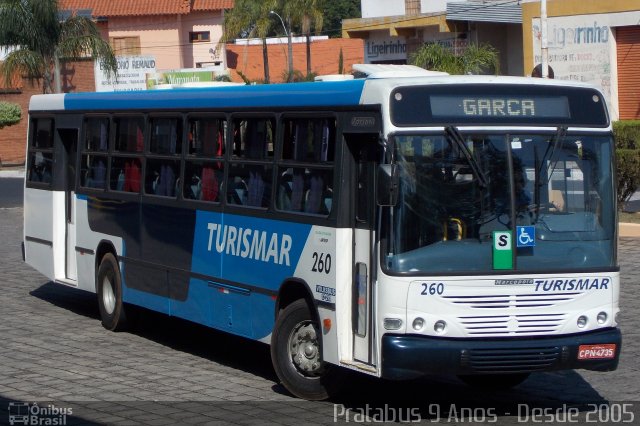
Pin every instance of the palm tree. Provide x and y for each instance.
(305, 13)
(475, 59)
(248, 19)
(40, 40)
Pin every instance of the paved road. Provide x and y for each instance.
(54, 351)
(11, 190)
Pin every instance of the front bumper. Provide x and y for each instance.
(410, 356)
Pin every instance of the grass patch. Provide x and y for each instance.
(629, 217)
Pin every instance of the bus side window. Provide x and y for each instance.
(204, 167)
(307, 189)
(163, 164)
(40, 159)
(250, 171)
(93, 169)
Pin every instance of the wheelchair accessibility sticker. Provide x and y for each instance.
(526, 236)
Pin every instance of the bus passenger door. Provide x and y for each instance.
(363, 148)
(69, 139)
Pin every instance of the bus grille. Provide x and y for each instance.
(510, 360)
(506, 301)
(513, 325)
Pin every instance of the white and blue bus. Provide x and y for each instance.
(393, 226)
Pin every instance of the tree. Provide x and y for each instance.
(248, 19)
(41, 40)
(305, 14)
(334, 11)
(475, 59)
(10, 114)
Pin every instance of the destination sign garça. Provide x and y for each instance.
(497, 105)
(491, 106)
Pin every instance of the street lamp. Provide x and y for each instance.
(289, 47)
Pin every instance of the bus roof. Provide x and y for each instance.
(312, 94)
(331, 93)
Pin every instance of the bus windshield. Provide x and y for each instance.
(456, 191)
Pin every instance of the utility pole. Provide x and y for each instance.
(289, 46)
(543, 39)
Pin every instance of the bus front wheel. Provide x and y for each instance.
(296, 354)
(109, 289)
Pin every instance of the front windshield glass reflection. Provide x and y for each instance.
(451, 203)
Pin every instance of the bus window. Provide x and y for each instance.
(253, 138)
(166, 136)
(40, 161)
(93, 168)
(251, 171)
(162, 176)
(125, 174)
(206, 136)
(202, 180)
(129, 133)
(96, 134)
(306, 189)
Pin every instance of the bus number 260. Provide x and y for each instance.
(321, 262)
(432, 289)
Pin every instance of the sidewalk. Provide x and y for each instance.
(17, 172)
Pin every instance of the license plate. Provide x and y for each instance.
(597, 351)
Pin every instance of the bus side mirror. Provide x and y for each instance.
(387, 185)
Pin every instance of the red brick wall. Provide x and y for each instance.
(77, 77)
(324, 58)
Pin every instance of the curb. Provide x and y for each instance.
(628, 229)
(15, 173)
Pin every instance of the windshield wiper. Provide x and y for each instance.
(559, 138)
(453, 134)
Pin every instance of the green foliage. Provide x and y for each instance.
(43, 40)
(223, 77)
(627, 136)
(298, 76)
(475, 59)
(335, 11)
(10, 114)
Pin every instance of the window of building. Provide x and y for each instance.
(199, 36)
(125, 45)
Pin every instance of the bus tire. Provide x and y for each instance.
(109, 289)
(495, 381)
(296, 354)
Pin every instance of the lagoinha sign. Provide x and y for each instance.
(131, 75)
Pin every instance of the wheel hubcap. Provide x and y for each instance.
(305, 349)
(108, 296)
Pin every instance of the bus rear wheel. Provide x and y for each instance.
(495, 381)
(109, 289)
(296, 354)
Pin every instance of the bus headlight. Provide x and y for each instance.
(439, 326)
(582, 321)
(392, 323)
(418, 323)
(602, 317)
(617, 318)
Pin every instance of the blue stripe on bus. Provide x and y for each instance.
(332, 93)
(254, 251)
